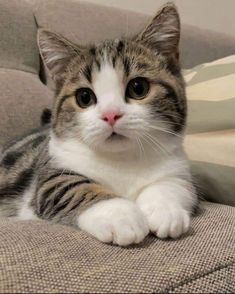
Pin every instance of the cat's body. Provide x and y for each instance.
(112, 161)
(125, 176)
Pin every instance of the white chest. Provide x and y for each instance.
(126, 177)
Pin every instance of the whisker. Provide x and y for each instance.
(156, 143)
(154, 140)
(149, 142)
(166, 131)
(139, 147)
(142, 147)
(175, 115)
(168, 122)
(85, 141)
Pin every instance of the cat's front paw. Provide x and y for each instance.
(118, 221)
(165, 220)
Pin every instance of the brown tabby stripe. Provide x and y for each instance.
(51, 191)
(87, 72)
(62, 100)
(62, 194)
(17, 151)
(176, 122)
(22, 181)
(68, 200)
(171, 94)
(10, 158)
(24, 140)
(58, 173)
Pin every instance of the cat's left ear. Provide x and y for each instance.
(56, 52)
(163, 32)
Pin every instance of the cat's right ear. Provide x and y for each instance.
(56, 52)
(162, 34)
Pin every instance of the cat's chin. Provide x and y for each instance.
(116, 143)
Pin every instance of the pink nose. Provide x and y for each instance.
(111, 117)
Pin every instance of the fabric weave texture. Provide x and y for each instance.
(39, 257)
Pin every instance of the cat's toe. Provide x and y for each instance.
(167, 222)
(130, 230)
(102, 230)
(175, 224)
(179, 225)
(123, 235)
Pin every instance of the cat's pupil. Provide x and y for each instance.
(138, 88)
(86, 98)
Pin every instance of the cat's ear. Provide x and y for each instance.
(56, 52)
(163, 32)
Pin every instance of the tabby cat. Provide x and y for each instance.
(111, 161)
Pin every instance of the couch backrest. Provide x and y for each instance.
(18, 46)
(22, 94)
(84, 22)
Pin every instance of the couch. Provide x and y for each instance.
(40, 257)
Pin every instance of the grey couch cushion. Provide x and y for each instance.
(18, 47)
(85, 22)
(39, 257)
(22, 98)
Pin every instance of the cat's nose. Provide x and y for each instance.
(111, 117)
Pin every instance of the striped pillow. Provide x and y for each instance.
(210, 135)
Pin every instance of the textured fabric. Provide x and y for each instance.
(18, 46)
(210, 140)
(220, 280)
(41, 257)
(22, 98)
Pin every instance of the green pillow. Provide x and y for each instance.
(210, 133)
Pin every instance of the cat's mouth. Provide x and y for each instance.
(114, 136)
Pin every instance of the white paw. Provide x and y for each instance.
(165, 220)
(117, 220)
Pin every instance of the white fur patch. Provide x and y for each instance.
(109, 88)
(25, 211)
(117, 221)
(126, 173)
(167, 207)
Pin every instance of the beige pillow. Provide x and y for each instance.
(210, 139)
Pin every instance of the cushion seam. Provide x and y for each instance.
(198, 276)
(26, 71)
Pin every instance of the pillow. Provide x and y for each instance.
(210, 133)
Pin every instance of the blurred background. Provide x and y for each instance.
(217, 15)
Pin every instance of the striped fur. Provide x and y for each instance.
(58, 193)
(78, 169)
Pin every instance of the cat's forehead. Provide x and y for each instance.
(108, 82)
(125, 50)
(110, 52)
(126, 57)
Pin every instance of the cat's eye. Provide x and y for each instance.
(137, 88)
(85, 97)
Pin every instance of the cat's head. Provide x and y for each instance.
(118, 94)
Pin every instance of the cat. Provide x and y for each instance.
(111, 161)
